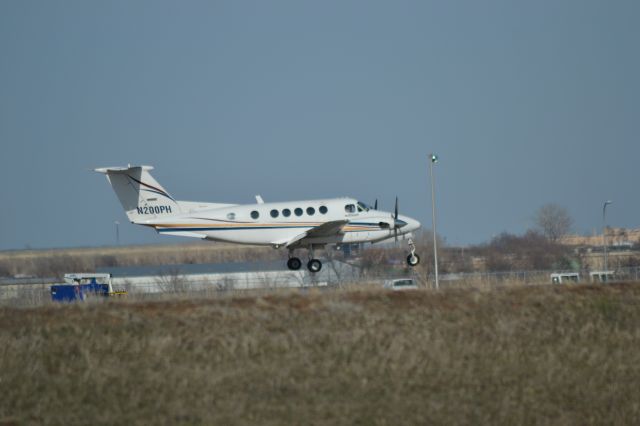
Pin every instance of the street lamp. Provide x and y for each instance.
(434, 159)
(117, 223)
(604, 236)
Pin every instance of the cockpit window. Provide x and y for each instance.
(362, 207)
(350, 208)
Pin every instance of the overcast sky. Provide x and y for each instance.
(526, 103)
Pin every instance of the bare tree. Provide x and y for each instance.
(553, 221)
(172, 281)
(531, 251)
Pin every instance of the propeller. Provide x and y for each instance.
(375, 205)
(397, 223)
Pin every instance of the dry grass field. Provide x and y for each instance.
(538, 355)
(56, 262)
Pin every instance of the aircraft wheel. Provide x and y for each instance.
(314, 265)
(413, 259)
(294, 263)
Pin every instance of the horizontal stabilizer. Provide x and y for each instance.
(107, 170)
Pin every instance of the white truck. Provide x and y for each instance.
(565, 277)
(400, 284)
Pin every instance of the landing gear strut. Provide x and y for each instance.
(413, 259)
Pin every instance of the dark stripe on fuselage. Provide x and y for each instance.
(244, 228)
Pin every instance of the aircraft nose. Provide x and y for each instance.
(411, 224)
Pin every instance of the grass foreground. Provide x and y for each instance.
(550, 355)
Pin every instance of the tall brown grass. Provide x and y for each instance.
(544, 355)
(57, 262)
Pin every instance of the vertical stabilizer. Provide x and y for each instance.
(141, 196)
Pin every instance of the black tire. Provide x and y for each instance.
(294, 263)
(413, 260)
(314, 265)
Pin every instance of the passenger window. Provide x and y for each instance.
(311, 211)
(231, 216)
(323, 209)
(255, 214)
(274, 213)
(350, 208)
(298, 211)
(286, 212)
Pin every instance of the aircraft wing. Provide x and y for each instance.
(325, 230)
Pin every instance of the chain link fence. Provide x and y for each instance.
(39, 291)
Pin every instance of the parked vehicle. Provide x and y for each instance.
(565, 277)
(400, 284)
(601, 276)
(82, 287)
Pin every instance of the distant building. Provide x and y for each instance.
(616, 237)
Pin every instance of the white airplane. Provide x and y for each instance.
(296, 224)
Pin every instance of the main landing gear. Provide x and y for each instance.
(313, 265)
(294, 263)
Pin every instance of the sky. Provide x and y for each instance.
(525, 102)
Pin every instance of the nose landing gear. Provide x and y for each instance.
(413, 259)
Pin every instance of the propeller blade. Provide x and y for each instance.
(396, 210)
(375, 205)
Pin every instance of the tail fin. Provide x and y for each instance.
(139, 193)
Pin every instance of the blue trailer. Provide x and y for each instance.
(79, 287)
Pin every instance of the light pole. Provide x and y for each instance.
(117, 223)
(434, 159)
(604, 236)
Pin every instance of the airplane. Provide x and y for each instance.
(293, 225)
